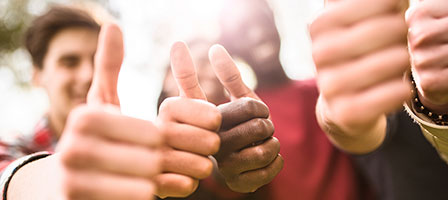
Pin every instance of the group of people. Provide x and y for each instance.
(373, 124)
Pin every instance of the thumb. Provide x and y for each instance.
(228, 74)
(184, 72)
(108, 60)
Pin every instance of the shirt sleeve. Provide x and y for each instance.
(437, 135)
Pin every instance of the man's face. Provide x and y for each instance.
(255, 37)
(67, 69)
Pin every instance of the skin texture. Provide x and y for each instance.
(248, 157)
(359, 74)
(428, 36)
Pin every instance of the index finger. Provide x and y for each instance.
(228, 73)
(184, 72)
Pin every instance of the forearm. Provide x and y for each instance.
(360, 141)
(36, 180)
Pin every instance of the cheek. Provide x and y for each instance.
(58, 88)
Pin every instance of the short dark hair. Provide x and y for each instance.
(46, 26)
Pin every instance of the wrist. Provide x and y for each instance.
(436, 113)
(437, 108)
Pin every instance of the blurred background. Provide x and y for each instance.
(150, 27)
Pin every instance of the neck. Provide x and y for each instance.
(56, 123)
(272, 78)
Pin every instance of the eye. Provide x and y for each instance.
(70, 61)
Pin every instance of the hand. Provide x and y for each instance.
(359, 48)
(103, 154)
(189, 124)
(428, 37)
(249, 155)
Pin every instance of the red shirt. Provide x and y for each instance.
(313, 167)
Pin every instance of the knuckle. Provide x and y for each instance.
(214, 143)
(267, 127)
(318, 54)
(263, 128)
(80, 119)
(420, 61)
(76, 154)
(419, 35)
(252, 106)
(205, 169)
(166, 104)
(326, 85)
(187, 187)
(215, 118)
(261, 154)
(68, 157)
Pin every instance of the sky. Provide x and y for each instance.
(150, 27)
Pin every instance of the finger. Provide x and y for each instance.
(251, 158)
(427, 32)
(184, 72)
(252, 180)
(115, 127)
(228, 73)
(188, 164)
(106, 156)
(93, 185)
(242, 110)
(435, 8)
(430, 57)
(385, 65)
(349, 12)
(174, 185)
(366, 37)
(191, 138)
(191, 111)
(385, 98)
(433, 85)
(245, 134)
(108, 59)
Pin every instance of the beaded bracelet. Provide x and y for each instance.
(439, 119)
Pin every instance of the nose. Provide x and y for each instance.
(85, 73)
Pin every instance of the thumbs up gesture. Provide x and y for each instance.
(103, 154)
(360, 52)
(248, 155)
(189, 124)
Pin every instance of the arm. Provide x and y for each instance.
(359, 74)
